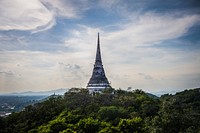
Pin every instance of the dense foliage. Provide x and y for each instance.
(113, 111)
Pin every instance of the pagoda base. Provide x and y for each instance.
(97, 87)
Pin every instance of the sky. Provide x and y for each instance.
(151, 45)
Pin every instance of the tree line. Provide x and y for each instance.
(112, 111)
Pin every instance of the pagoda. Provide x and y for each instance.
(98, 81)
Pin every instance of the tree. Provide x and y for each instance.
(135, 125)
(90, 125)
(108, 90)
(112, 113)
(109, 129)
(56, 127)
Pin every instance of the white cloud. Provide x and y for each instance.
(24, 15)
(36, 15)
(28, 70)
(82, 38)
(128, 41)
(66, 8)
(151, 28)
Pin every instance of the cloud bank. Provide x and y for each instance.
(36, 15)
(149, 45)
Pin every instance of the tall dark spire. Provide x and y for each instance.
(98, 53)
(98, 81)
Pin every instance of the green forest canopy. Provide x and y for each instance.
(113, 111)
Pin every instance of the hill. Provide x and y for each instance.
(9, 104)
(114, 111)
(60, 91)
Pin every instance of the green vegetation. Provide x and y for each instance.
(114, 111)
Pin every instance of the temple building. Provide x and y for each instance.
(98, 81)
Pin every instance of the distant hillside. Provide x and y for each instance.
(152, 95)
(40, 93)
(9, 104)
(160, 93)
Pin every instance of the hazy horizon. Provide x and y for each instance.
(153, 46)
(61, 91)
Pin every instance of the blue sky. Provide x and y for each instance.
(49, 44)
